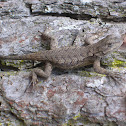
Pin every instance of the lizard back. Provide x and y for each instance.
(68, 57)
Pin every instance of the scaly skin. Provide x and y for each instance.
(71, 57)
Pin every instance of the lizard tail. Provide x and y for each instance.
(32, 56)
(11, 58)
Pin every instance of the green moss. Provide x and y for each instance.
(77, 119)
(85, 74)
(9, 124)
(115, 63)
(85, 122)
(11, 109)
(14, 63)
(89, 74)
(77, 116)
(118, 63)
(72, 121)
(8, 73)
(3, 62)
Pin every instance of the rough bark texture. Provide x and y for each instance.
(67, 98)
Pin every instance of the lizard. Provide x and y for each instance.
(71, 57)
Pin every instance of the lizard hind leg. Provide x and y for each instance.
(37, 71)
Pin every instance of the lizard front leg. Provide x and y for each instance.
(49, 39)
(48, 66)
(100, 70)
(44, 74)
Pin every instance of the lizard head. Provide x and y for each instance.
(107, 45)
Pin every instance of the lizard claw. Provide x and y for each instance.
(34, 80)
(32, 84)
(117, 77)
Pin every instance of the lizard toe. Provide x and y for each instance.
(117, 77)
(32, 84)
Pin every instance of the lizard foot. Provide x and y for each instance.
(33, 82)
(117, 77)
